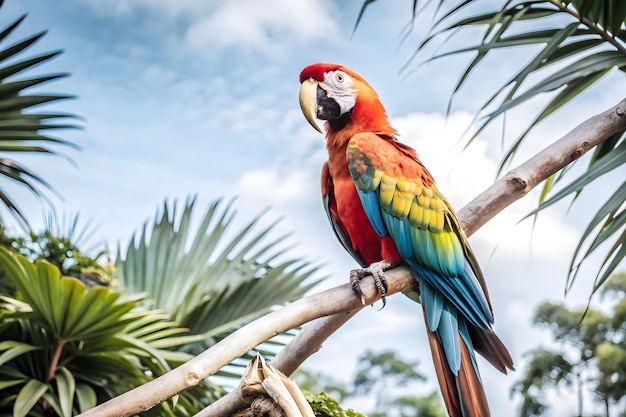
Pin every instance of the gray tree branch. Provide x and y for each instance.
(330, 309)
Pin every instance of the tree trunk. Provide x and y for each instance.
(579, 382)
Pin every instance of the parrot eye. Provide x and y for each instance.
(339, 77)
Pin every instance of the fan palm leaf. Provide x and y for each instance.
(211, 280)
(69, 348)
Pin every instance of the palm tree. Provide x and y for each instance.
(578, 43)
(23, 129)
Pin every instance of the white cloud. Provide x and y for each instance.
(262, 26)
(172, 8)
(272, 186)
(438, 142)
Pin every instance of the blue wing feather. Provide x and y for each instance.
(371, 206)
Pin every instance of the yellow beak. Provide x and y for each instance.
(308, 102)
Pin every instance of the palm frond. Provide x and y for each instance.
(211, 279)
(23, 128)
(70, 347)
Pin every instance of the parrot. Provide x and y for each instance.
(386, 211)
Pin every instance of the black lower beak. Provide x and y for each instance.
(327, 108)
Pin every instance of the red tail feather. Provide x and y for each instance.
(463, 394)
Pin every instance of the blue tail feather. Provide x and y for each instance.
(448, 333)
(443, 318)
(472, 311)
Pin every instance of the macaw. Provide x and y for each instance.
(386, 211)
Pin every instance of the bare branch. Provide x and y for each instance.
(337, 300)
(514, 185)
(519, 181)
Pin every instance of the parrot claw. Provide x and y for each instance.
(377, 271)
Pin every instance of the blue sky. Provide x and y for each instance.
(187, 97)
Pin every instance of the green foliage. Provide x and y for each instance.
(576, 43)
(318, 381)
(595, 353)
(546, 369)
(23, 129)
(376, 369)
(429, 406)
(212, 280)
(66, 348)
(611, 378)
(385, 374)
(582, 328)
(59, 243)
(324, 405)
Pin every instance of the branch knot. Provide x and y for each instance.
(518, 183)
(192, 378)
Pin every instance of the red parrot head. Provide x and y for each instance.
(342, 97)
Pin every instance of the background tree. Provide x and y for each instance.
(592, 358)
(382, 374)
(61, 243)
(391, 380)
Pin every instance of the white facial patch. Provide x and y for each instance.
(339, 88)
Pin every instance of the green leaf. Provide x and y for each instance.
(224, 278)
(607, 213)
(610, 161)
(167, 259)
(572, 90)
(63, 304)
(10, 377)
(584, 67)
(66, 387)
(611, 261)
(360, 16)
(15, 100)
(12, 349)
(86, 397)
(28, 396)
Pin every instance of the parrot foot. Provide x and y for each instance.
(377, 271)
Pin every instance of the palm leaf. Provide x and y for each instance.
(211, 279)
(28, 396)
(610, 213)
(104, 347)
(22, 127)
(63, 304)
(581, 43)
